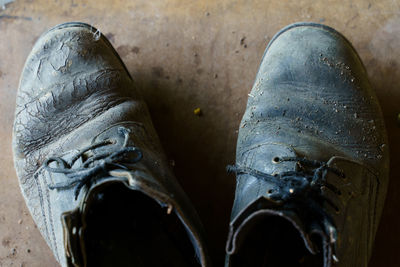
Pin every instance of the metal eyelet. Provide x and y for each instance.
(276, 160)
(337, 210)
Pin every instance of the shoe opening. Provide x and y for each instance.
(127, 228)
(273, 241)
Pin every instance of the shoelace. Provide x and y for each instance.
(303, 188)
(94, 165)
(293, 184)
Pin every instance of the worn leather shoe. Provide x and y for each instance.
(312, 157)
(89, 161)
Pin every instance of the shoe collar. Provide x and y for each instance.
(356, 204)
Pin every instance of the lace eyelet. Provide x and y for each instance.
(337, 210)
(276, 160)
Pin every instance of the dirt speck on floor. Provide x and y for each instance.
(158, 71)
(5, 242)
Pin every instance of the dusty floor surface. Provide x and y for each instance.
(188, 54)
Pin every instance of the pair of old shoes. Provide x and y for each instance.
(311, 162)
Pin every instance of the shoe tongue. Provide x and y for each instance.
(309, 231)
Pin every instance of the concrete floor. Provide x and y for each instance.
(188, 54)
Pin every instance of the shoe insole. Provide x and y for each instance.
(274, 242)
(128, 228)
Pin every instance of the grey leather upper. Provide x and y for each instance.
(74, 91)
(312, 98)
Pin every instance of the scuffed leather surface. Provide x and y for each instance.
(356, 219)
(73, 87)
(312, 94)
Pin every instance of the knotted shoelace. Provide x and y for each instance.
(94, 165)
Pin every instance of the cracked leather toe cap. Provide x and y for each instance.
(72, 75)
